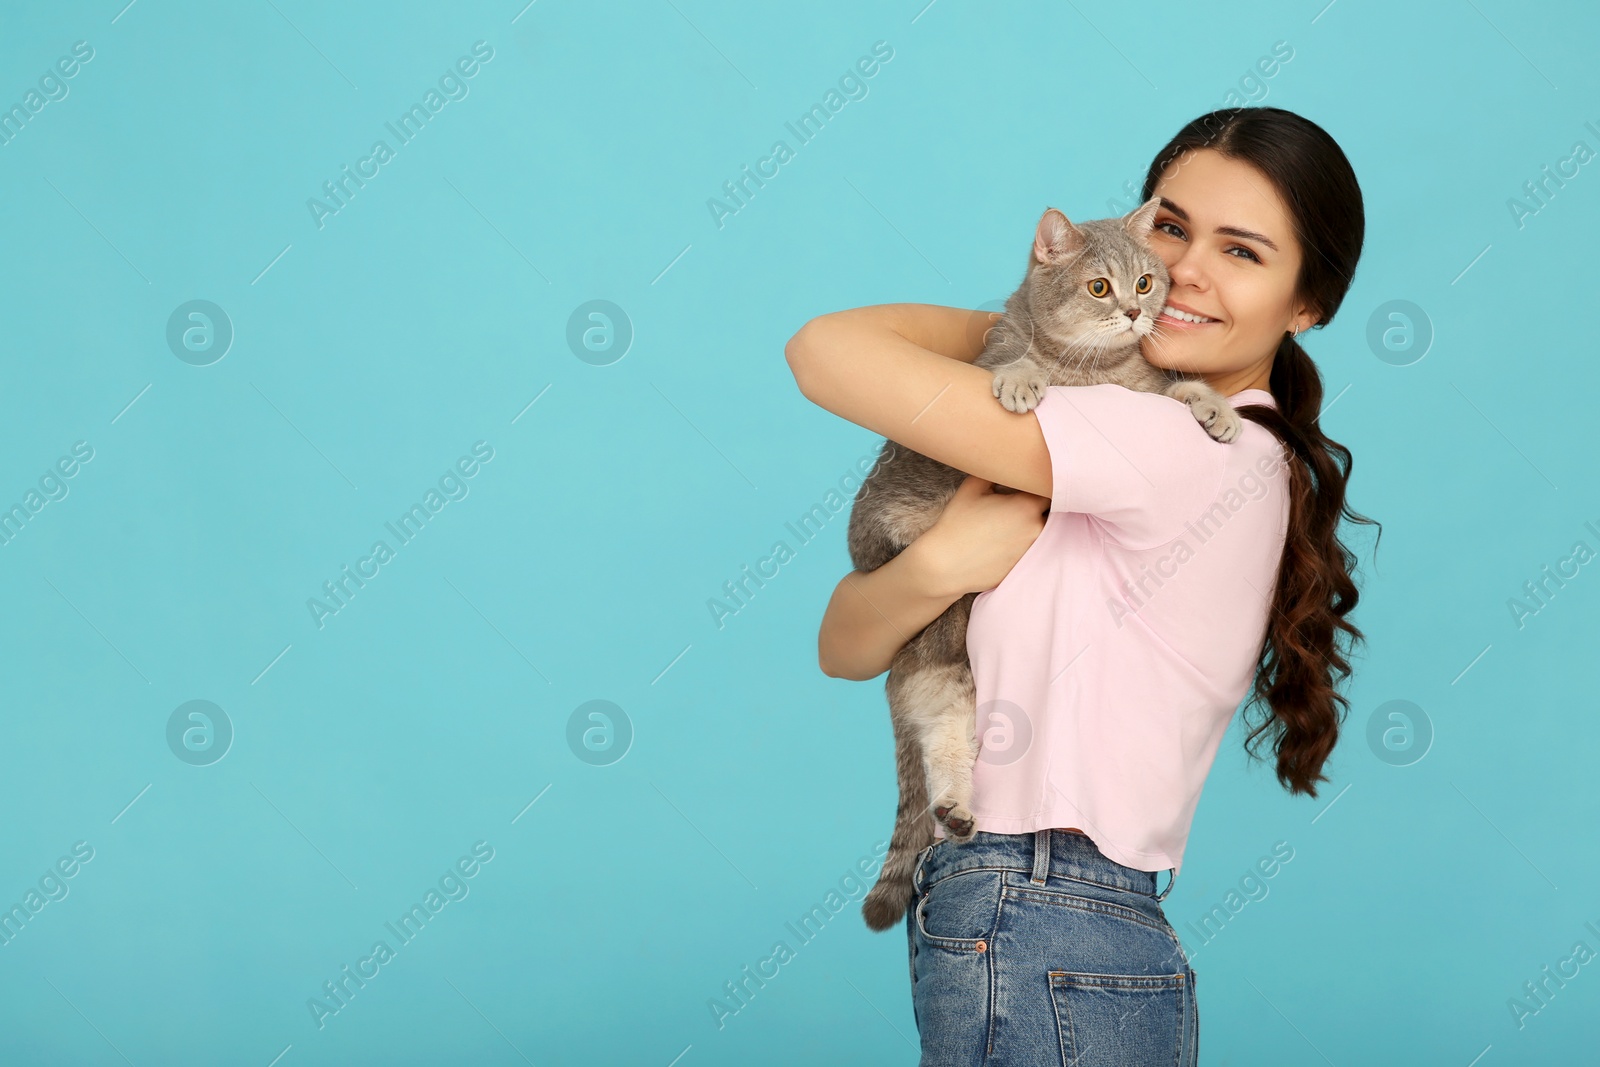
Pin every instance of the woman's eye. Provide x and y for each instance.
(1099, 287)
(1172, 229)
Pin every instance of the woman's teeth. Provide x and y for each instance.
(1184, 316)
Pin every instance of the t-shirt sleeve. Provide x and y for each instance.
(1138, 462)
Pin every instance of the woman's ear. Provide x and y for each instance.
(1305, 317)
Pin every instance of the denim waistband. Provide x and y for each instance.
(1043, 854)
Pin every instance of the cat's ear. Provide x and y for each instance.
(1141, 219)
(1055, 238)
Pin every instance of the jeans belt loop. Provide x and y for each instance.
(1041, 856)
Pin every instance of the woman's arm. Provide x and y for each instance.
(904, 371)
(973, 544)
(873, 614)
(955, 332)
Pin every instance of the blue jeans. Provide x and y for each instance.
(1036, 949)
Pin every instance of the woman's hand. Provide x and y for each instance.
(980, 536)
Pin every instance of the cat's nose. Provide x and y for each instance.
(1132, 313)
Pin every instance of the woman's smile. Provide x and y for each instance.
(1176, 317)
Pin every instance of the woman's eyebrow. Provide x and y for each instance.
(1231, 231)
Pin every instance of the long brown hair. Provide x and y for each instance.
(1301, 661)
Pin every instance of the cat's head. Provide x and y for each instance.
(1096, 286)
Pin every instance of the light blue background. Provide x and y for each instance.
(432, 311)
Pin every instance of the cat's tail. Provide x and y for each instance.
(889, 897)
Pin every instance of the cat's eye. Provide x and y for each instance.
(1144, 283)
(1099, 287)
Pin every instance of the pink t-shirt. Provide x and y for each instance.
(1110, 660)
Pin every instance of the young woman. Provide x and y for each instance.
(1141, 580)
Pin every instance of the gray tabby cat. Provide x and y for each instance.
(1092, 291)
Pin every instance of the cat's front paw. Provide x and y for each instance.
(1019, 386)
(1210, 408)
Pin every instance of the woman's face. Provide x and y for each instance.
(1229, 244)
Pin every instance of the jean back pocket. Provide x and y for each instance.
(1108, 1020)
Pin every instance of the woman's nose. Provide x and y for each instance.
(1183, 269)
